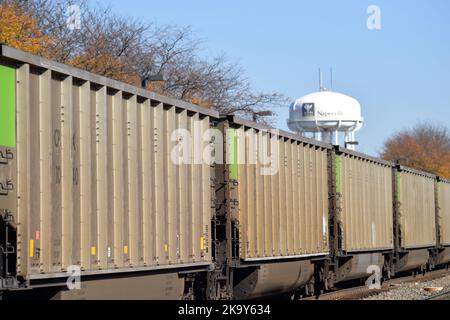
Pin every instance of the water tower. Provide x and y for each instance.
(327, 115)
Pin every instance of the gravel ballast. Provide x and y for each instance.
(412, 290)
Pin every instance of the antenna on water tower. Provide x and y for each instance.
(321, 88)
(331, 78)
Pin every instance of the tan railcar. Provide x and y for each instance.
(91, 182)
(366, 188)
(443, 198)
(415, 195)
(283, 205)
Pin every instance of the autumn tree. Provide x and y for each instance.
(19, 30)
(136, 51)
(425, 146)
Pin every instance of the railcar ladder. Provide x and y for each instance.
(8, 253)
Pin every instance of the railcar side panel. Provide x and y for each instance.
(444, 212)
(417, 210)
(283, 194)
(95, 172)
(367, 203)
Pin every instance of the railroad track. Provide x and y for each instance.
(360, 292)
(439, 296)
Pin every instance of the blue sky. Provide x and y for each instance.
(400, 74)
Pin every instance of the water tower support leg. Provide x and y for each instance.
(336, 138)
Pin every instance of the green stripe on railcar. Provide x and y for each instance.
(233, 154)
(398, 183)
(7, 107)
(338, 174)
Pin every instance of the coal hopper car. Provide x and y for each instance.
(87, 184)
(274, 207)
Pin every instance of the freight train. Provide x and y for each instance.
(109, 191)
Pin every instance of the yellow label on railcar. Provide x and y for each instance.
(31, 248)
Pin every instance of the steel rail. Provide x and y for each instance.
(360, 292)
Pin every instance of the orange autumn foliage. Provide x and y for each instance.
(159, 87)
(201, 103)
(99, 58)
(156, 86)
(99, 61)
(20, 31)
(425, 147)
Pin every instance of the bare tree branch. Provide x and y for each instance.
(131, 50)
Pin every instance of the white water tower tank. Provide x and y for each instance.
(327, 115)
